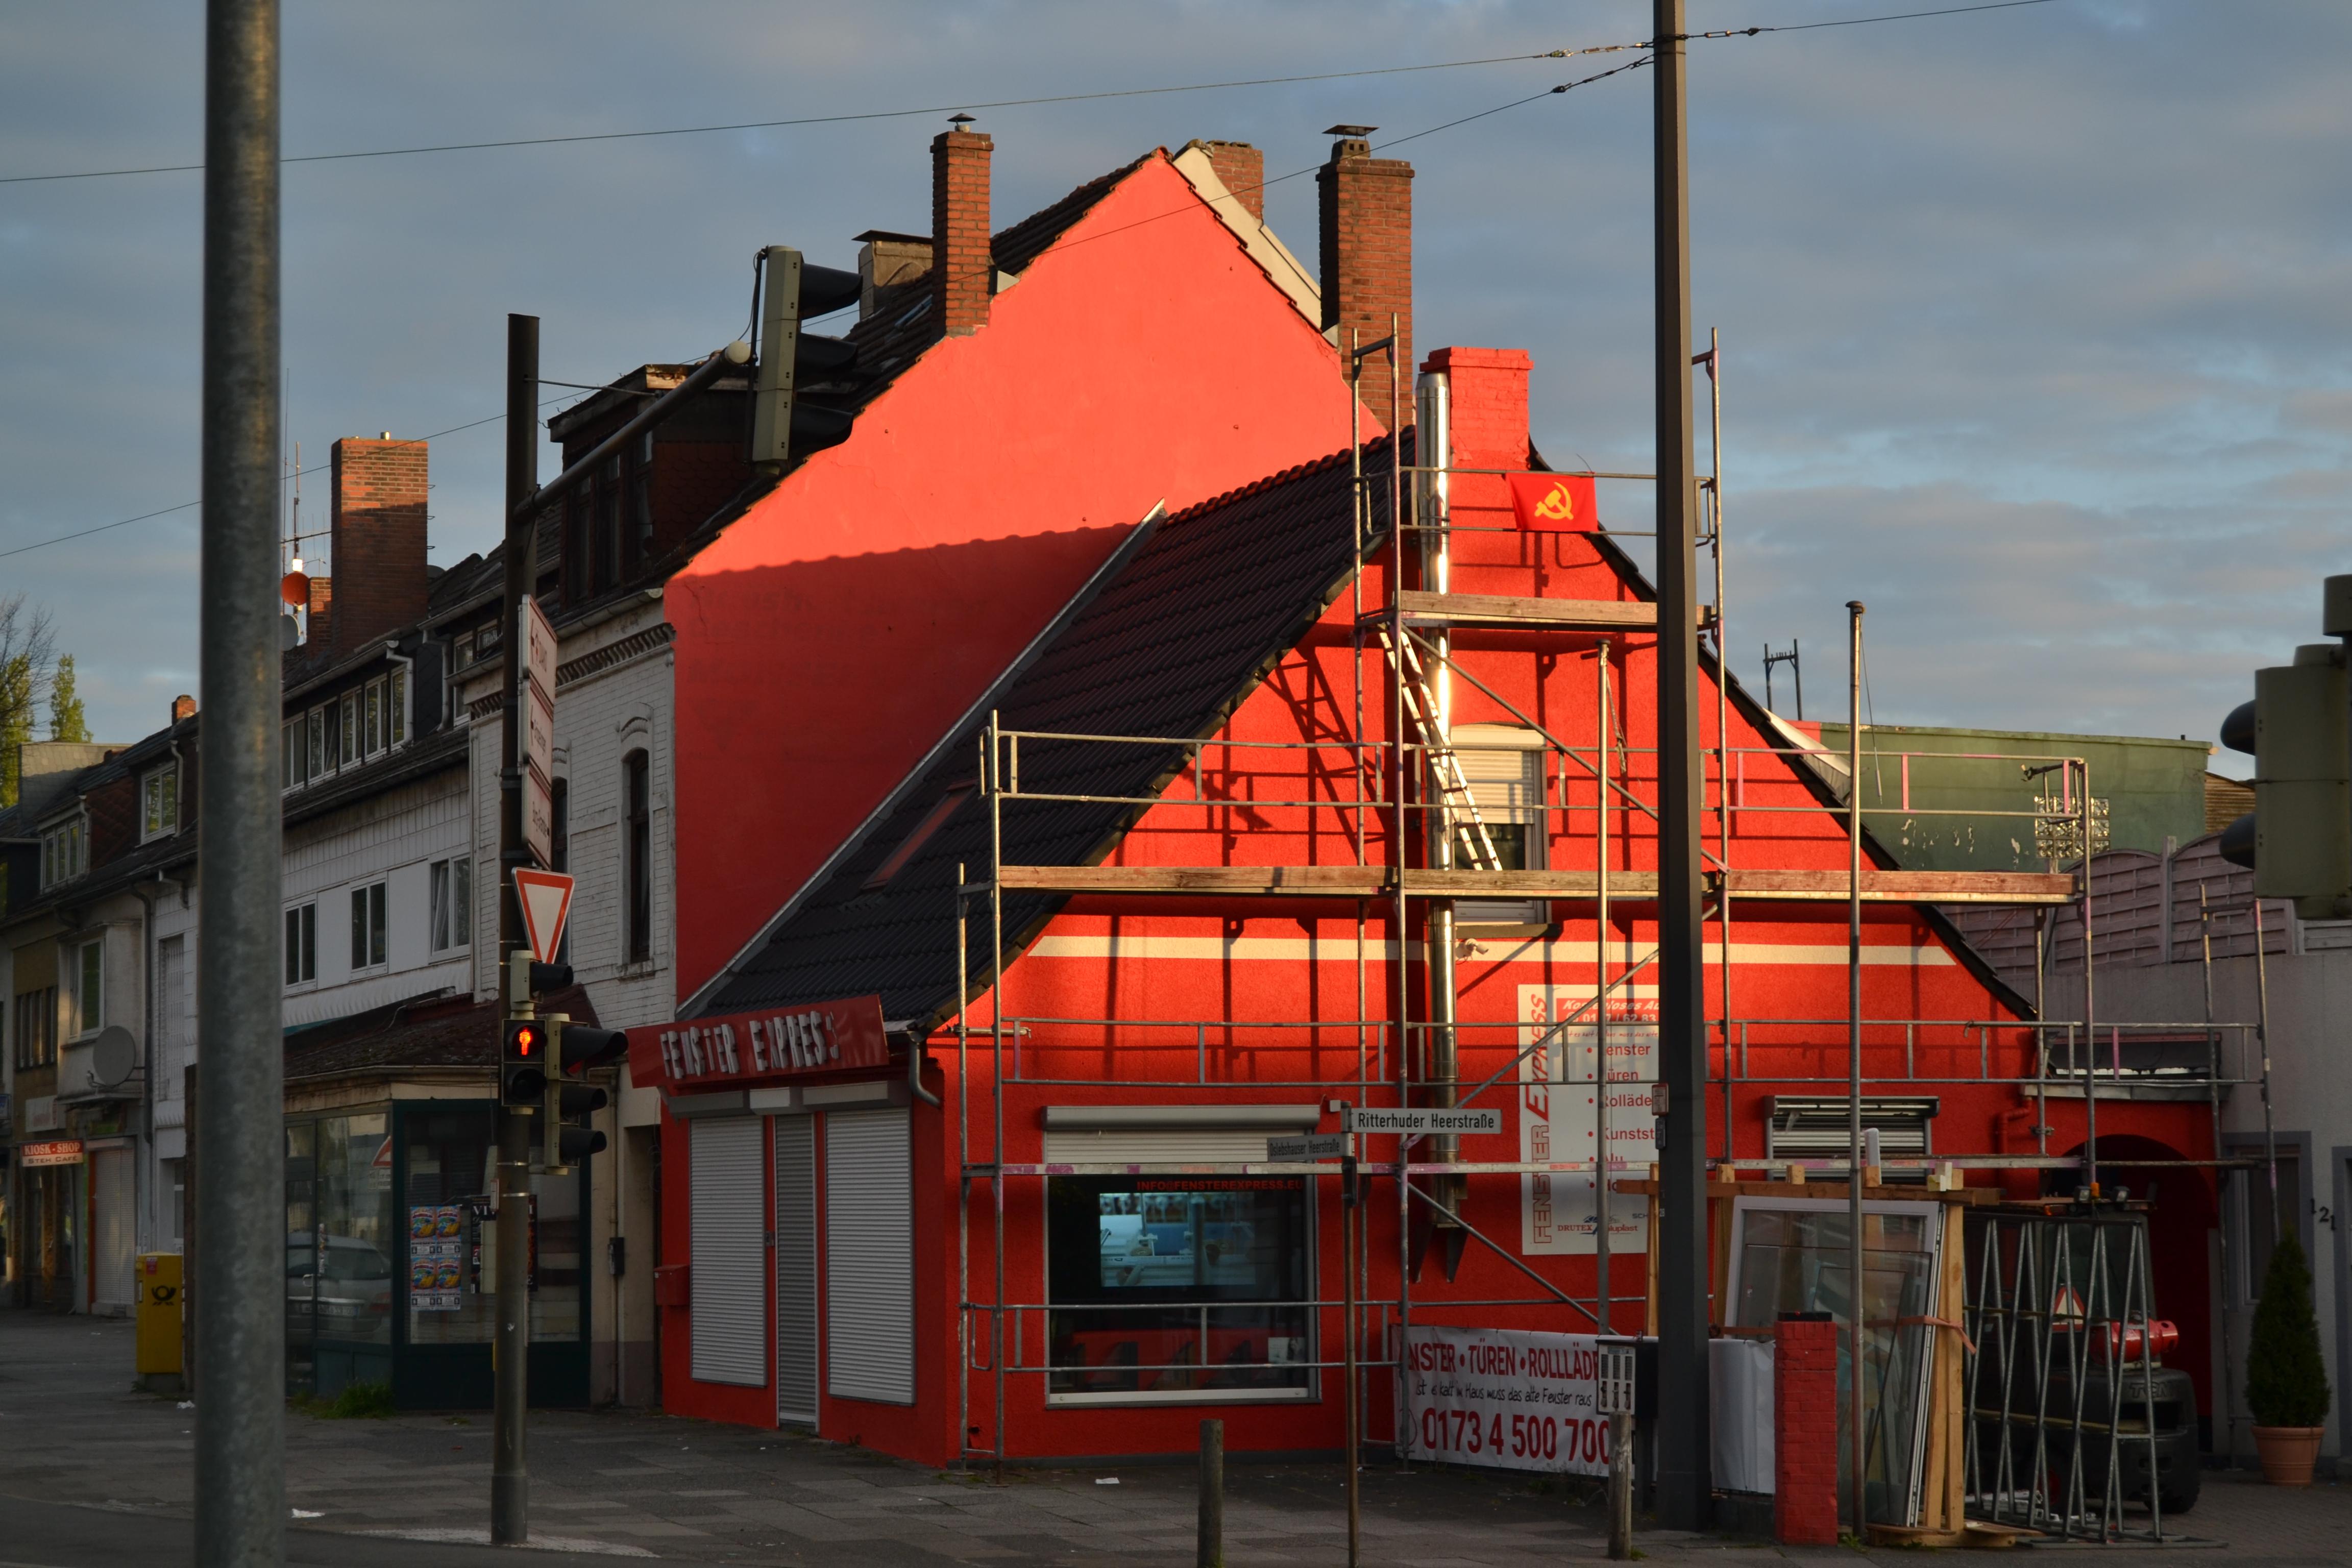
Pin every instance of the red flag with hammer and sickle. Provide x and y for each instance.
(1554, 503)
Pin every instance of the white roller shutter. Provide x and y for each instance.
(114, 1196)
(1504, 764)
(729, 1277)
(796, 1268)
(869, 1255)
(1156, 1145)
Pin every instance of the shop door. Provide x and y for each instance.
(114, 1232)
(796, 1270)
(727, 1245)
(870, 1257)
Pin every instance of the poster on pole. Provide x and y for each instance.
(1559, 1116)
(1507, 1398)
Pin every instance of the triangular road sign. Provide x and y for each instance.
(546, 900)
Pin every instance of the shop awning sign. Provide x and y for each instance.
(774, 1045)
(57, 1152)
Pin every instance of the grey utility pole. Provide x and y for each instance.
(511, 1349)
(1685, 1493)
(240, 1426)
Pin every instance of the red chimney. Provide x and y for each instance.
(318, 631)
(1486, 420)
(1241, 167)
(963, 269)
(182, 707)
(1367, 243)
(378, 538)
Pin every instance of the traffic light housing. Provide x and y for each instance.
(522, 1062)
(791, 292)
(575, 1048)
(2298, 839)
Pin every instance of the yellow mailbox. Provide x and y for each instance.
(159, 1313)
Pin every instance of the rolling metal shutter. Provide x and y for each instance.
(796, 1268)
(869, 1255)
(728, 1250)
(1815, 1127)
(1183, 1134)
(114, 1196)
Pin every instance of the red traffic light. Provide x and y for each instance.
(525, 1040)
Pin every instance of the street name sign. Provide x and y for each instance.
(1421, 1120)
(546, 900)
(1311, 1146)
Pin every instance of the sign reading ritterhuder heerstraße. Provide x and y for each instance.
(773, 1045)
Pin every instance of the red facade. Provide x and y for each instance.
(1163, 1000)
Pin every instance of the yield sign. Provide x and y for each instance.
(546, 900)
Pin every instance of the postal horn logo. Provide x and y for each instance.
(1559, 504)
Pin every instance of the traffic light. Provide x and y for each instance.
(575, 1048)
(2298, 839)
(522, 1062)
(792, 291)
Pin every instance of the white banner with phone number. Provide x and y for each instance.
(1506, 1397)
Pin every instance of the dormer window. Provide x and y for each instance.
(64, 852)
(349, 751)
(159, 803)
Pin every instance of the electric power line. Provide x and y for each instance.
(1026, 102)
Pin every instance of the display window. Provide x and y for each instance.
(1178, 1288)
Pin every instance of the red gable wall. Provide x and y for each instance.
(1142, 357)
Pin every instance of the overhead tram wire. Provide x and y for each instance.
(191, 506)
(1031, 102)
(1279, 179)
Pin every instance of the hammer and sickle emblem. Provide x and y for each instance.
(1559, 506)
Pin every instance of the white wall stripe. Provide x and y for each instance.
(1302, 950)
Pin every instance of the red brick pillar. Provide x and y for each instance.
(1804, 1432)
(1365, 218)
(963, 268)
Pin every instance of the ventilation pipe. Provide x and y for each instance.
(1433, 410)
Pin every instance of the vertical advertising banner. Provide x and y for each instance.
(1559, 1117)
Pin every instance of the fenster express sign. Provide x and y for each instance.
(768, 1045)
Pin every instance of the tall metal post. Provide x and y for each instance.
(510, 1348)
(1684, 1488)
(1857, 1292)
(240, 1426)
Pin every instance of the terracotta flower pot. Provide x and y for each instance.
(2287, 1453)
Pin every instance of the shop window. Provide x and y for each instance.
(368, 939)
(452, 1240)
(1178, 1288)
(302, 944)
(159, 797)
(340, 1253)
(33, 1025)
(451, 890)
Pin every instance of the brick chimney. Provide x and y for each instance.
(182, 707)
(1366, 229)
(886, 260)
(378, 538)
(963, 269)
(319, 628)
(1241, 167)
(1486, 401)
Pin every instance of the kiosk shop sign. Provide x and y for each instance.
(1506, 1397)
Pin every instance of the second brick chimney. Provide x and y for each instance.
(378, 531)
(1241, 167)
(963, 269)
(1366, 213)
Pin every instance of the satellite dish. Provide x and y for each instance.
(113, 1057)
(290, 636)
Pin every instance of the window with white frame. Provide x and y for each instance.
(302, 944)
(395, 708)
(159, 803)
(316, 748)
(85, 977)
(1504, 766)
(369, 943)
(65, 851)
(452, 892)
(289, 759)
(348, 751)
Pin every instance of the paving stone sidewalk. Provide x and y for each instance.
(71, 1430)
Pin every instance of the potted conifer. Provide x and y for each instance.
(2286, 1384)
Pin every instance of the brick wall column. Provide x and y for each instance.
(378, 538)
(1366, 228)
(1804, 1433)
(963, 271)
(1243, 169)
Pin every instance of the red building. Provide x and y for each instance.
(1205, 860)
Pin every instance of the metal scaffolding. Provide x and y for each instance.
(1418, 843)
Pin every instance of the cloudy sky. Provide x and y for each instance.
(2035, 321)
